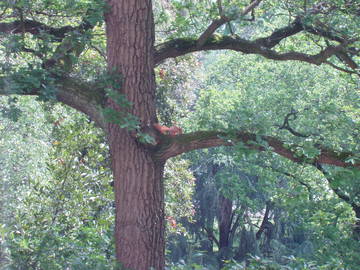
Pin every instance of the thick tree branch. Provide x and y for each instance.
(294, 28)
(262, 46)
(38, 28)
(70, 47)
(179, 47)
(343, 57)
(35, 28)
(83, 97)
(78, 95)
(171, 146)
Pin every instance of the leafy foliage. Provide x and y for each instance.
(57, 190)
(64, 215)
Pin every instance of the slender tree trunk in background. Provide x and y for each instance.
(356, 230)
(225, 219)
(265, 222)
(139, 232)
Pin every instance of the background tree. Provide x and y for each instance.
(43, 57)
(62, 214)
(261, 102)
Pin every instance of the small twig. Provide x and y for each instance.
(211, 236)
(286, 125)
(321, 8)
(230, 28)
(51, 15)
(252, 15)
(219, 4)
(342, 69)
(24, 49)
(336, 190)
(99, 51)
(2, 14)
(251, 7)
(223, 19)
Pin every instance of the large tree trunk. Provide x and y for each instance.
(139, 232)
(138, 184)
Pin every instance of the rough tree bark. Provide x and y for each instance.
(139, 195)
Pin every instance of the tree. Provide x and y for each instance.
(42, 57)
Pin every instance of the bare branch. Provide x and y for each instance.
(274, 39)
(294, 28)
(175, 145)
(29, 50)
(265, 224)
